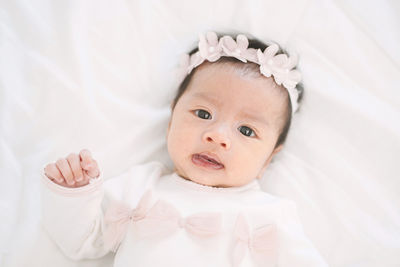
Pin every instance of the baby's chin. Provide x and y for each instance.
(207, 182)
(206, 179)
(213, 178)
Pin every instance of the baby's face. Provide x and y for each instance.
(228, 118)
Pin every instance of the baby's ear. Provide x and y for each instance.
(279, 148)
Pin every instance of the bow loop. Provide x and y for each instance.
(264, 239)
(117, 219)
(241, 235)
(262, 242)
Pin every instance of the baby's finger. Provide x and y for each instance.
(53, 173)
(93, 169)
(82, 183)
(86, 158)
(75, 163)
(63, 165)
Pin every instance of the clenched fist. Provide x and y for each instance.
(74, 170)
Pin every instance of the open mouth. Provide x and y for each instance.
(207, 161)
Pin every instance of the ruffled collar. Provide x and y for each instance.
(182, 182)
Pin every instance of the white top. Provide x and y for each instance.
(166, 220)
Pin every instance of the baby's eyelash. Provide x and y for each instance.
(203, 114)
(247, 131)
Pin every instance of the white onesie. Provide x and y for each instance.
(151, 217)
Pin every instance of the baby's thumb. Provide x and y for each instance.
(91, 168)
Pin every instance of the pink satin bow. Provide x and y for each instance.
(262, 242)
(161, 218)
(118, 217)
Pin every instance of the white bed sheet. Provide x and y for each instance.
(100, 75)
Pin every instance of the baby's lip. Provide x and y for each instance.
(211, 156)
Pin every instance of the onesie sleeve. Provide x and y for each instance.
(74, 219)
(294, 246)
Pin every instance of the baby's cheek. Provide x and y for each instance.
(172, 144)
(253, 163)
(177, 144)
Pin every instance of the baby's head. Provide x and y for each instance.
(228, 119)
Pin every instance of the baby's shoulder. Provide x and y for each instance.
(262, 205)
(262, 199)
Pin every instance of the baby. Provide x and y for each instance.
(231, 115)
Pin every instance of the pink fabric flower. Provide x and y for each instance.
(282, 71)
(289, 78)
(237, 49)
(266, 59)
(209, 46)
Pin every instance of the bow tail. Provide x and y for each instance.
(264, 245)
(239, 251)
(114, 234)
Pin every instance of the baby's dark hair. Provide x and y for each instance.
(253, 67)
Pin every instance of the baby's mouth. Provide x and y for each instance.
(207, 161)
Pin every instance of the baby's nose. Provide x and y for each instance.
(218, 137)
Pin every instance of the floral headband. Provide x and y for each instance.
(279, 66)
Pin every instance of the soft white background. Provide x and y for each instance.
(100, 75)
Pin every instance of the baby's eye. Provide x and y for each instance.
(201, 113)
(246, 131)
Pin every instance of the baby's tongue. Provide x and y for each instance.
(208, 161)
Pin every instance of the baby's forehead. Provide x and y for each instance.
(217, 76)
(222, 85)
(237, 96)
(232, 65)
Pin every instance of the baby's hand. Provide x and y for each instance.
(73, 171)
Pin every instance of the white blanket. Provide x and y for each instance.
(100, 75)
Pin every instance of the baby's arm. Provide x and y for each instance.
(72, 213)
(296, 249)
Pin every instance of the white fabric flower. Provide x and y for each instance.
(209, 46)
(266, 59)
(282, 71)
(236, 49)
(291, 78)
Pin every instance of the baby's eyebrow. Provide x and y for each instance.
(207, 98)
(255, 118)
